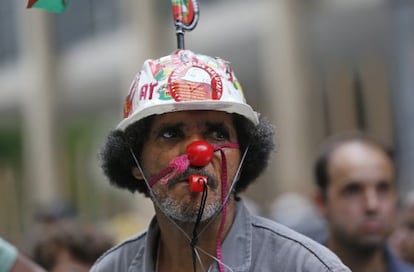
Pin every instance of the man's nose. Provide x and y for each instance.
(188, 140)
(199, 153)
(372, 200)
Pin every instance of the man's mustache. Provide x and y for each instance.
(211, 181)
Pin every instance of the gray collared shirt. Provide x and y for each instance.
(252, 244)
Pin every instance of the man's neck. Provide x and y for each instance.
(175, 252)
(359, 260)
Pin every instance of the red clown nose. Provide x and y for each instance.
(200, 153)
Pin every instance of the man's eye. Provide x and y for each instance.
(220, 135)
(352, 189)
(384, 187)
(169, 133)
(410, 226)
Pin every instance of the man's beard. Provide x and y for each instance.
(178, 212)
(187, 213)
(364, 245)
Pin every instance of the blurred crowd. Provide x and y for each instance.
(58, 241)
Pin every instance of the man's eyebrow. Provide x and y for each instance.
(171, 124)
(217, 126)
(167, 125)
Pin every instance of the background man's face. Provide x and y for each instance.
(169, 136)
(361, 195)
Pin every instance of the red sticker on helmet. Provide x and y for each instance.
(195, 82)
(129, 98)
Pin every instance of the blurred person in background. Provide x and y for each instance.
(11, 260)
(191, 143)
(402, 239)
(55, 211)
(68, 245)
(357, 194)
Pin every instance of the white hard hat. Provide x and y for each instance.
(185, 81)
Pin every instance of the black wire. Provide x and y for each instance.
(194, 240)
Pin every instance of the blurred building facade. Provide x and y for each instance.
(313, 67)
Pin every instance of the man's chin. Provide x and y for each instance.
(369, 244)
(191, 217)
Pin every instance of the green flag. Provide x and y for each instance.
(56, 6)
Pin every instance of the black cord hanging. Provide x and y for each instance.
(194, 239)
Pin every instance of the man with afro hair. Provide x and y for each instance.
(191, 144)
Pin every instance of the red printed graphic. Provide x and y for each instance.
(129, 98)
(195, 82)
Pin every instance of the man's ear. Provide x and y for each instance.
(319, 198)
(137, 173)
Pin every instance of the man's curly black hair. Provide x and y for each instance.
(117, 160)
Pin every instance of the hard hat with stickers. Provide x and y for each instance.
(185, 81)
